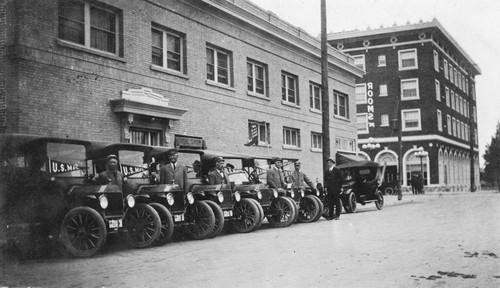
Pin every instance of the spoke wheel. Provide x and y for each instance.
(379, 203)
(143, 226)
(83, 232)
(350, 206)
(219, 218)
(308, 210)
(167, 224)
(282, 212)
(321, 208)
(246, 215)
(201, 220)
(262, 214)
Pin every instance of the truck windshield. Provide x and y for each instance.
(64, 159)
(132, 164)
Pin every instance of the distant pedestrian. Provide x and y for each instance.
(414, 183)
(333, 183)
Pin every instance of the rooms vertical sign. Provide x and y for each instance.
(370, 107)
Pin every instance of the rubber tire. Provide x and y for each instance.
(98, 226)
(282, 207)
(201, 220)
(251, 216)
(321, 207)
(308, 216)
(350, 206)
(379, 203)
(262, 214)
(389, 191)
(219, 218)
(143, 226)
(167, 224)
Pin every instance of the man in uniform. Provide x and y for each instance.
(300, 179)
(111, 175)
(217, 175)
(173, 172)
(333, 178)
(275, 176)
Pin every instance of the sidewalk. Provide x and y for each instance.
(408, 198)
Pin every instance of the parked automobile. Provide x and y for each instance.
(48, 194)
(362, 181)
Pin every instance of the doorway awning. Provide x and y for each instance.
(343, 158)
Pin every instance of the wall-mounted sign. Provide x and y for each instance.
(370, 107)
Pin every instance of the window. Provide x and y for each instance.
(438, 91)
(454, 125)
(167, 49)
(455, 76)
(448, 124)
(460, 81)
(384, 120)
(466, 132)
(408, 59)
(473, 91)
(360, 92)
(409, 89)
(258, 133)
(381, 61)
(219, 65)
(315, 96)
(289, 92)
(447, 94)
(340, 105)
(291, 137)
(452, 100)
(383, 90)
(89, 25)
(256, 77)
(411, 120)
(445, 66)
(145, 136)
(359, 61)
(467, 86)
(436, 61)
(439, 120)
(316, 141)
(362, 123)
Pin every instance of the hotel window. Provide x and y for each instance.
(362, 123)
(359, 61)
(439, 120)
(454, 124)
(451, 72)
(467, 86)
(340, 105)
(360, 92)
(409, 89)
(462, 130)
(466, 132)
(383, 90)
(384, 120)
(436, 61)
(455, 76)
(381, 61)
(145, 136)
(460, 81)
(467, 109)
(445, 66)
(258, 132)
(474, 114)
(89, 25)
(256, 78)
(447, 94)
(167, 49)
(316, 141)
(448, 124)
(291, 137)
(219, 66)
(315, 96)
(453, 100)
(408, 59)
(438, 91)
(473, 91)
(411, 120)
(289, 92)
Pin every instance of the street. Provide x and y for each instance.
(431, 240)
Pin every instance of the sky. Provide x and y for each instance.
(475, 25)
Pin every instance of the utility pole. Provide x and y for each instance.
(472, 136)
(325, 103)
(399, 128)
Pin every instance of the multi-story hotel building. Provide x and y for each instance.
(417, 73)
(152, 71)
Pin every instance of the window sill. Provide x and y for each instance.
(341, 118)
(315, 111)
(411, 129)
(167, 71)
(289, 147)
(410, 99)
(260, 96)
(316, 150)
(223, 86)
(290, 104)
(383, 95)
(407, 68)
(89, 50)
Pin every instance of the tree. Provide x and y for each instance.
(492, 158)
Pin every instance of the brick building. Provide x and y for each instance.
(419, 74)
(151, 71)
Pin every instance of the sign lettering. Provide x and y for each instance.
(370, 108)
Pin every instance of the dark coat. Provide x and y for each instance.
(109, 178)
(179, 176)
(215, 178)
(300, 179)
(334, 180)
(275, 178)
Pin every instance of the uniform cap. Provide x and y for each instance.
(112, 156)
